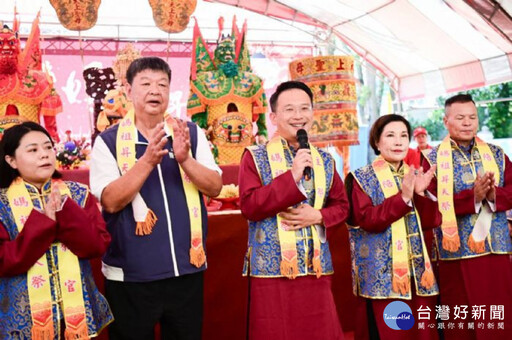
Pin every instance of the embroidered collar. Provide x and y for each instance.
(395, 172)
(46, 188)
(466, 149)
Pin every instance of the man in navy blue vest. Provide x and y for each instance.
(141, 171)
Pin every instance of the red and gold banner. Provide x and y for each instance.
(331, 79)
(30, 57)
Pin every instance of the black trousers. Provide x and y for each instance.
(176, 303)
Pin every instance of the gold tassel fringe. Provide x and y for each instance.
(76, 325)
(427, 279)
(79, 334)
(401, 285)
(476, 247)
(146, 227)
(451, 243)
(43, 333)
(197, 256)
(317, 267)
(290, 269)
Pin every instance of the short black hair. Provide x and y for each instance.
(379, 125)
(8, 145)
(459, 98)
(289, 85)
(147, 63)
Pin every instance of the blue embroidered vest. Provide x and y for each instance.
(15, 317)
(263, 255)
(371, 252)
(498, 241)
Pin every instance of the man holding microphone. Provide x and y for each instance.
(290, 192)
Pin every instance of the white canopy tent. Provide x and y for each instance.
(133, 20)
(424, 47)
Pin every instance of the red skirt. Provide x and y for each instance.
(481, 281)
(283, 309)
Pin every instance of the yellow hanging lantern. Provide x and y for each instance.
(172, 16)
(331, 79)
(77, 15)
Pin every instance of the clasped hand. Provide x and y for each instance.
(53, 203)
(484, 187)
(155, 150)
(416, 181)
(302, 216)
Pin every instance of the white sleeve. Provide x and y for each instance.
(322, 235)
(301, 188)
(478, 206)
(203, 153)
(429, 195)
(103, 168)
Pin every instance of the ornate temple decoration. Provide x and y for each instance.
(226, 98)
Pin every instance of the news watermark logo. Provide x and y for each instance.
(398, 315)
(469, 317)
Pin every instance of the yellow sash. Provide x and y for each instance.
(287, 240)
(400, 244)
(197, 254)
(144, 217)
(125, 152)
(451, 240)
(38, 277)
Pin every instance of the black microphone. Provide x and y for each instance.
(302, 138)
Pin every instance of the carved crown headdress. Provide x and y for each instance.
(123, 60)
(202, 58)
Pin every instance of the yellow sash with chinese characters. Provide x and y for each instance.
(445, 185)
(197, 254)
(400, 245)
(39, 281)
(287, 240)
(144, 217)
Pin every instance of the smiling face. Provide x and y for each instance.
(461, 121)
(149, 92)
(293, 112)
(34, 158)
(393, 143)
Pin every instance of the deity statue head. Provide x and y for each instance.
(225, 50)
(9, 50)
(225, 55)
(123, 60)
